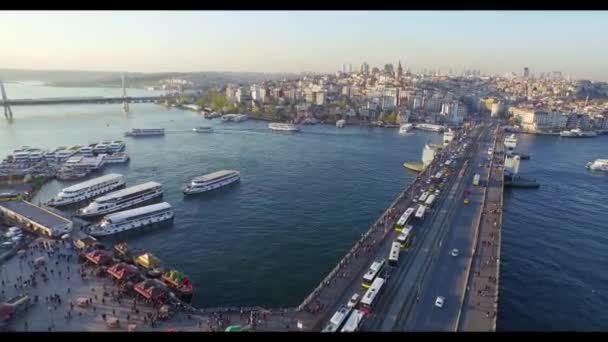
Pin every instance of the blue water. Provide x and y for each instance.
(305, 198)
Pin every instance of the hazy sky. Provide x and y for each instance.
(278, 41)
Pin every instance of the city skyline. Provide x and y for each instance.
(283, 41)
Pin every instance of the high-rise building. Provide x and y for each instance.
(526, 72)
(344, 67)
(350, 68)
(399, 71)
(388, 68)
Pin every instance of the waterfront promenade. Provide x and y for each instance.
(480, 305)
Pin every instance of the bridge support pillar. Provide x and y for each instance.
(8, 112)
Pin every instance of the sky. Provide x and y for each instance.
(573, 42)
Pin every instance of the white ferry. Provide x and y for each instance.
(89, 189)
(131, 219)
(145, 132)
(116, 146)
(86, 151)
(64, 154)
(211, 181)
(340, 123)
(429, 127)
(286, 127)
(21, 156)
(234, 117)
(577, 133)
(122, 199)
(405, 128)
(203, 129)
(511, 142)
(102, 147)
(598, 165)
(35, 156)
(115, 158)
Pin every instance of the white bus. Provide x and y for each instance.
(476, 179)
(423, 197)
(372, 293)
(404, 218)
(447, 162)
(430, 200)
(421, 211)
(336, 321)
(373, 272)
(406, 236)
(393, 256)
(353, 321)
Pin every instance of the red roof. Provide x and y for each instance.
(99, 257)
(122, 271)
(6, 311)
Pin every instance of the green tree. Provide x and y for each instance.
(391, 118)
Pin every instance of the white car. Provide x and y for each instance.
(439, 302)
(455, 252)
(437, 192)
(353, 300)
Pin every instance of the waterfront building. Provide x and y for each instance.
(35, 219)
(539, 120)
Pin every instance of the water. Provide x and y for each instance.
(305, 198)
(302, 201)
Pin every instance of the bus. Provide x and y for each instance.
(373, 272)
(423, 197)
(404, 218)
(421, 211)
(393, 256)
(353, 321)
(405, 238)
(372, 293)
(429, 201)
(336, 321)
(10, 196)
(476, 179)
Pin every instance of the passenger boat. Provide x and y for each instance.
(116, 146)
(131, 219)
(122, 199)
(211, 181)
(598, 165)
(179, 282)
(63, 154)
(87, 190)
(340, 123)
(429, 127)
(405, 128)
(285, 127)
(102, 147)
(202, 129)
(145, 132)
(577, 133)
(86, 151)
(116, 158)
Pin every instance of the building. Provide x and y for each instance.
(526, 72)
(231, 93)
(365, 68)
(497, 109)
(35, 219)
(453, 112)
(243, 95)
(319, 98)
(532, 120)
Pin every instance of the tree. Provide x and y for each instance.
(391, 118)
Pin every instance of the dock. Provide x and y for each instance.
(35, 219)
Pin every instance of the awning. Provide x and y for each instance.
(234, 328)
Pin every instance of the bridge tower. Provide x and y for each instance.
(125, 99)
(8, 113)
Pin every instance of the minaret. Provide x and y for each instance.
(125, 101)
(399, 71)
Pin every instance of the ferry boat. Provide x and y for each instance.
(340, 123)
(202, 129)
(448, 136)
(286, 127)
(89, 189)
(405, 128)
(211, 181)
(116, 146)
(122, 199)
(234, 117)
(64, 154)
(21, 156)
(35, 156)
(598, 165)
(102, 147)
(131, 219)
(429, 127)
(115, 158)
(145, 132)
(511, 142)
(86, 151)
(577, 133)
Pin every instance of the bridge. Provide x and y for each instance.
(7, 103)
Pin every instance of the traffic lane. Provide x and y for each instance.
(449, 278)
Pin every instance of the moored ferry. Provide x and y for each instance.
(116, 158)
(145, 132)
(122, 199)
(286, 127)
(131, 219)
(87, 190)
(405, 128)
(116, 146)
(598, 165)
(211, 181)
(340, 123)
(429, 127)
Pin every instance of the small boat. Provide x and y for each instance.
(340, 123)
(202, 129)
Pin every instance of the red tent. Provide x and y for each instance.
(99, 257)
(151, 289)
(122, 271)
(6, 311)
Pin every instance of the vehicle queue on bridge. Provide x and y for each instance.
(349, 317)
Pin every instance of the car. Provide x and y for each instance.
(437, 192)
(354, 300)
(455, 252)
(439, 302)
(466, 200)
(428, 181)
(431, 189)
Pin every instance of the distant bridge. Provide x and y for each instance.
(86, 100)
